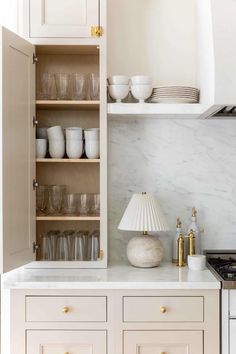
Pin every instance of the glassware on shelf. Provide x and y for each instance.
(95, 204)
(84, 204)
(46, 248)
(62, 248)
(93, 246)
(53, 234)
(78, 86)
(41, 199)
(94, 88)
(63, 86)
(79, 247)
(48, 87)
(56, 195)
(70, 204)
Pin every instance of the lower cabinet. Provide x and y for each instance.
(66, 342)
(163, 342)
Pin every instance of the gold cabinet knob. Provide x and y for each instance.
(65, 310)
(161, 353)
(69, 353)
(163, 310)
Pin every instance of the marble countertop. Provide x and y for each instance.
(167, 276)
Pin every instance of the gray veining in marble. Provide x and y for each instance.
(185, 163)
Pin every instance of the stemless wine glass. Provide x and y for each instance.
(48, 87)
(70, 204)
(41, 199)
(78, 86)
(62, 250)
(63, 86)
(83, 203)
(94, 86)
(95, 204)
(56, 194)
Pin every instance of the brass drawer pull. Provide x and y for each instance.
(69, 353)
(163, 310)
(65, 310)
(161, 353)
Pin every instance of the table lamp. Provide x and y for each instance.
(144, 214)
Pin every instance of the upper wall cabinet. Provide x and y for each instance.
(62, 18)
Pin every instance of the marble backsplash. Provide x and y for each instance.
(184, 163)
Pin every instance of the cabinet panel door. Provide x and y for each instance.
(169, 342)
(63, 18)
(17, 151)
(60, 342)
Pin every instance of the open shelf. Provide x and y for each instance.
(70, 104)
(160, 110)
(67, 218)
(51, 160)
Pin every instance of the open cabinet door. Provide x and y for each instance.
(17, 151)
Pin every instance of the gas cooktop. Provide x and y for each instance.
(223, 265)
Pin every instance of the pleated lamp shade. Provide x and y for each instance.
(143, 213)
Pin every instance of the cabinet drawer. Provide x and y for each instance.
(168, 342)
(163, 309)
(66, 309)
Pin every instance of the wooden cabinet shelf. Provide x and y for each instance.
(72, 105)
(51, 160)
(67, 218)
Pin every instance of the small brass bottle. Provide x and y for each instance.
(181, 262)
(191, 243)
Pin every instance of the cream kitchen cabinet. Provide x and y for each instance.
(62, 18)
(66, 342)
(163, 342)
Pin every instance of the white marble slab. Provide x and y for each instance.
(167, 276)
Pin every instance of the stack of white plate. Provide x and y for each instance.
(175, 94)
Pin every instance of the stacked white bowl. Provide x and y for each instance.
(56, 142)
(118, 87)
(74, 142)
(141, 87)
(92, 143)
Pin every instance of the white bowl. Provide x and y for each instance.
(41, 148)
(92, 134)
(92, 149)
(118, 80)
(57, 148)
(74, 148)
(118, 92)
(74, 133)
(141, 80)
(55, 132)
(141, 92)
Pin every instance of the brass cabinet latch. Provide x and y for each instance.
(35, 247)
(35, 122)
(35, 184)
(101, 255)
(96, 31)
(35, 59)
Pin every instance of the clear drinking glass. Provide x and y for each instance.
(46, 248)
(78, 86)
(95, 204)
(48, 87)
(93, 246)
(83, 203)
(70, 235)
(56, 195)
(62, 250)
(70, 204)
(41, 199)
(94, 84)
(79, 247)
(53, 234)
(63, 86)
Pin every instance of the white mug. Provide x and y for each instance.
(92, 149)
(57, 148)
(41, 148)
(197, 262)
(73, 133)
(74, 148)
(92, 134)
(55, 133)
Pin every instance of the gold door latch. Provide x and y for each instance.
(96, 31)
(101, 255)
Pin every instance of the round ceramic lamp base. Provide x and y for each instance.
(145, 251)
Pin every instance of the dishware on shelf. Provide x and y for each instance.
(62, 248)
(92, 134)
(141, 92)
(56, 195)
(53, 234)
(79, 247)
(41, 148)
(41, 133)
(93, 248)
(83, 203)
(63, 81)
(46, 248)
(78, 86)
(175, 94)
(92, 149)
(118, 80)
(42, 196)
(141, 80)
(70, 201)
(70, 235)
(94, 88)
(74, 133)
(95, 204)
(118, 92)
(74, 148)
(55, 132)
(57, 148)
(47, 87)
